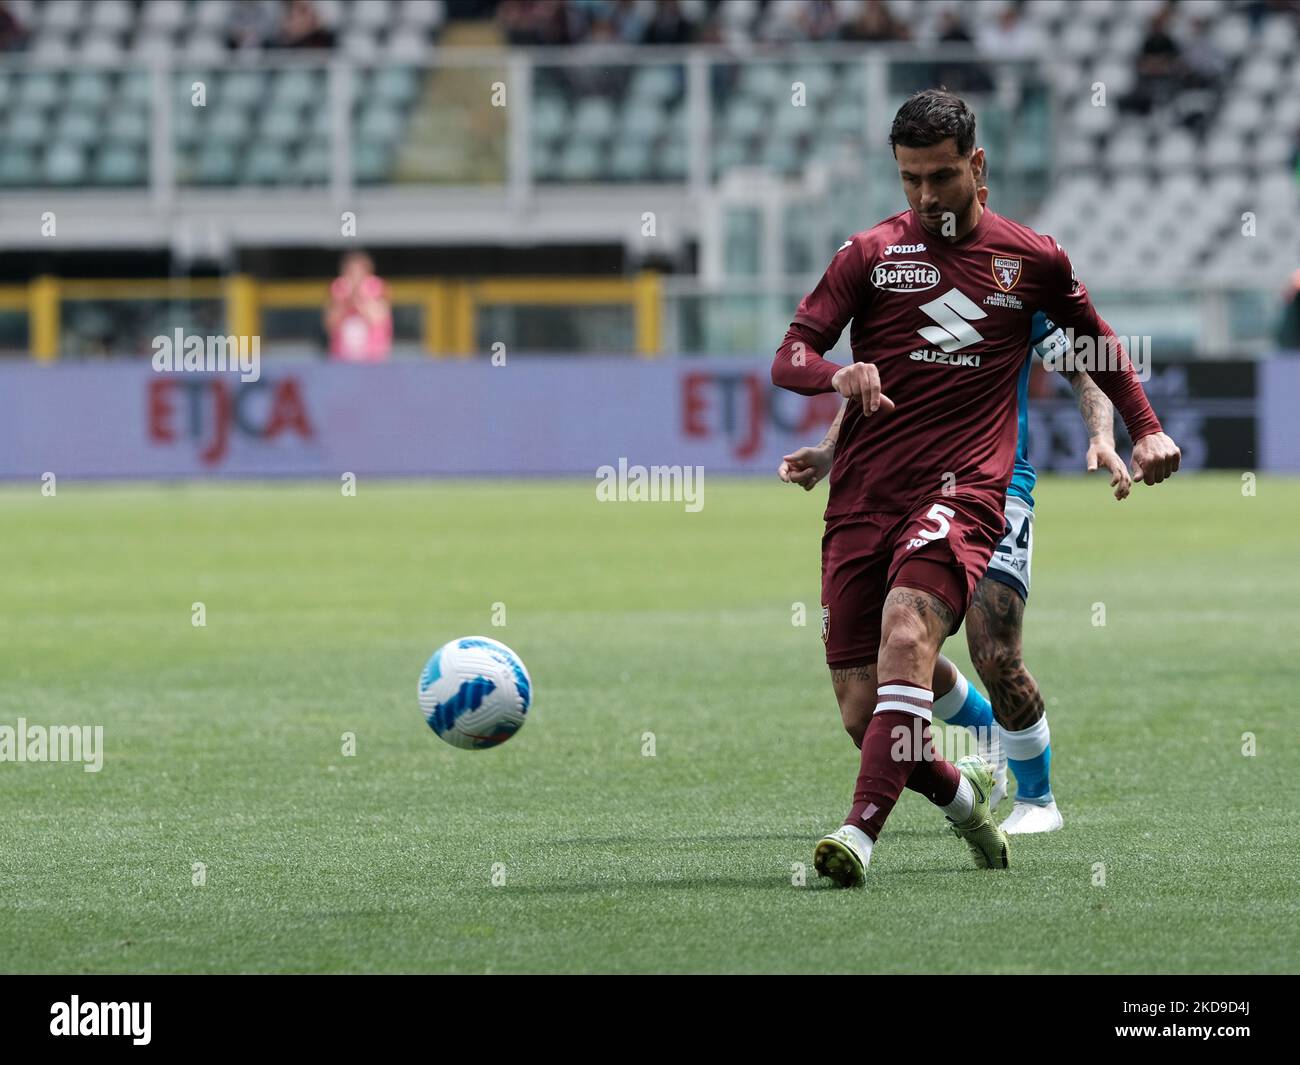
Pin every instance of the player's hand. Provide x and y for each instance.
(1099, 455)
(806, 466)
(1155, 458)
(861, 380)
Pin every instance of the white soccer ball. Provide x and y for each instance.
(475, 692)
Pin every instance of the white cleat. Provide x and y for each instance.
(1028, 817)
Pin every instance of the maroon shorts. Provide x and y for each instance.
(942, 547)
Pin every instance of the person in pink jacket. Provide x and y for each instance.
(359, 319)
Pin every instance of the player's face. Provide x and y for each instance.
(939, 182)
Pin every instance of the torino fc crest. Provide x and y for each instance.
(1006, 271)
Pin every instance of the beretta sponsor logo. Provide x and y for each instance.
(906, 275)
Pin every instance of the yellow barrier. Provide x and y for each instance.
(450, 306)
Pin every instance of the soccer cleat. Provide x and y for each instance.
(988, 844)
(1029, 817)
(843, 856)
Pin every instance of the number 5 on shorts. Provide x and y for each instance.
(939, 514)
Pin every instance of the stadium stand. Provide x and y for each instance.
(1185, 115)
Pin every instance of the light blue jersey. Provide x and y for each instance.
(1044, 337)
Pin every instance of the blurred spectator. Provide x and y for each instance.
(668, 25)
(1006, 37)
(952, 28)
(1204, 62)
(1288, 333)
(628, 21)
(875, 22)
(819, 21)
(359, 320)
(533, 22)
(303, 27)
(13, 34)
(250, 24)
(1159, 66)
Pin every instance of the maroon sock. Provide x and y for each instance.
(891, 749)
(932, 776)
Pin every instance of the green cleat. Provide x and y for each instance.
(843, 856)
(988, 843)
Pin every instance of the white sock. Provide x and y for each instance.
(946, 705)
(1027, 743)
(963, 803)
(862, 840)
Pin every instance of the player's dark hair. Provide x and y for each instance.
(931, 116)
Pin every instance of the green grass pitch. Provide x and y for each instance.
(224, 742)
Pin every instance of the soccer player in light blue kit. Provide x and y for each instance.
(1020, 739)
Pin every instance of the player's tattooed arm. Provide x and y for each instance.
(1099, 416)
(1096, 410)
(833, 433)
(807, 465)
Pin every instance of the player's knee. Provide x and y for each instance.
(905, 638)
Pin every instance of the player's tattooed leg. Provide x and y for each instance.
(913, 626)
(855, 691)
(994, 626)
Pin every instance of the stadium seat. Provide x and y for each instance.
(216, 165)
(630, 160)
(643, 122)
(164, 14)
(280, 126)
(24, 127)
(119, 165)
(371, 162)
(396, 86)
(37, 90)
(87, 90)
(65, 164)
(245, 88)
(77, 128)
(111, 15)
(379, 124)
(593, 119)
(265, 164)
(127, 127)
(655, 83)
(18, 167)
(579, 161)
(313, 165)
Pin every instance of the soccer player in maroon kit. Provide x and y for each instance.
(941, 298)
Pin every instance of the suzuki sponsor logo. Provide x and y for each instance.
(906, 275)
(944, 358)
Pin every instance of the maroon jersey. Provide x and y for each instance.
(947, 324)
